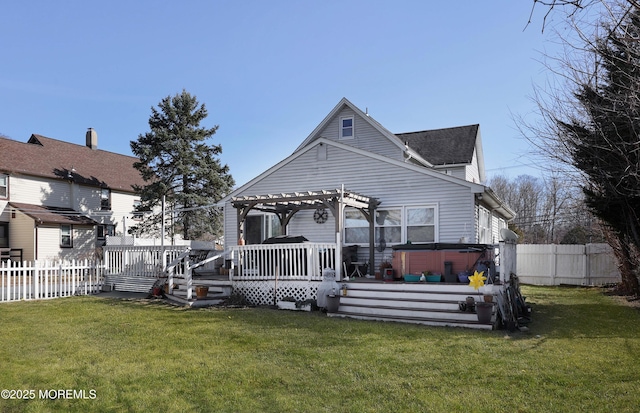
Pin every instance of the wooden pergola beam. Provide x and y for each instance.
(285, 205)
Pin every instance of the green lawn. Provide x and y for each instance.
(582, 353)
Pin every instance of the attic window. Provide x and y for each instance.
(346, 127)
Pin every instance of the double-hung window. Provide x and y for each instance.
(4, 186)
(415, 224)
(137, 214)
(66, 236)
(347, 127)
(421, 224)
(484, 226)
(356, 227)
(388, 226)
(105, 199)
(104, 230)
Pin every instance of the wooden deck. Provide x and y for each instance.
(435, 304)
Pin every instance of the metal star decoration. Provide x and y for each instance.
(477, 280)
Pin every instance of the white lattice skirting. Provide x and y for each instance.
(261, 292)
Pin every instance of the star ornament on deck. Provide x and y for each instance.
(477, 280)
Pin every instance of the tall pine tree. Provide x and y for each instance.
(177, 162)
(603, 139)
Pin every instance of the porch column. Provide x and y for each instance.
(372, 241)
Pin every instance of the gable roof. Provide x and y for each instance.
(436, 147)
(52, 215)
(54, 159)
(443, 146)
(344, 102)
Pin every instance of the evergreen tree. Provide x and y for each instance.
(177, 162)
(603, 138)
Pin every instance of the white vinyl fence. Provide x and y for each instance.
(551, 264)
(48, 279)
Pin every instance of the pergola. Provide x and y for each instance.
(286, 205)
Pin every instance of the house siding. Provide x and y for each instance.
(22, 235)
(40, 191)
(49, 243)
(392, 185)
(472, 171)
(58, 193)
(366, 136)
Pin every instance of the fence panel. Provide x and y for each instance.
(550, 264)
(38, 280)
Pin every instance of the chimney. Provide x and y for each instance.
(92, 138)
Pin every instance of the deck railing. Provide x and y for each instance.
(283, 261)
(143, 261)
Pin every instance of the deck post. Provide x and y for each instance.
(188, 275)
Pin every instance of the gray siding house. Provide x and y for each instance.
(427, 186)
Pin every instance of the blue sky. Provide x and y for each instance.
(270, 71)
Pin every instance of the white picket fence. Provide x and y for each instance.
(551, 264)
(36, 280)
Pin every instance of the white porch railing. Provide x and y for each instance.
(282, 261)
(47, 279)
(143, 261)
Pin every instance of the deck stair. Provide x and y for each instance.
(129, 283)
(219, 290)
(435, 304)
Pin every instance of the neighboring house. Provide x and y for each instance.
(59, 200)
(422, 187)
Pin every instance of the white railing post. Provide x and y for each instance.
(187, 266)
(338, 263)
(232, 257)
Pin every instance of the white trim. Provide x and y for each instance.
(404, 224)
(436, 222)
(342, 127)
(5, 186)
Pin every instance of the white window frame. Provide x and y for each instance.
(4, 186)
(359, 224)
(435, 222)
(484, 226)
(378, 225)
(105, 201)
(136, 215)
(404, 226)
(343, 128)
(66, 230)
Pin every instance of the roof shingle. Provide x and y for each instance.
(443, 146)
(51, 158)
(52, 215)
